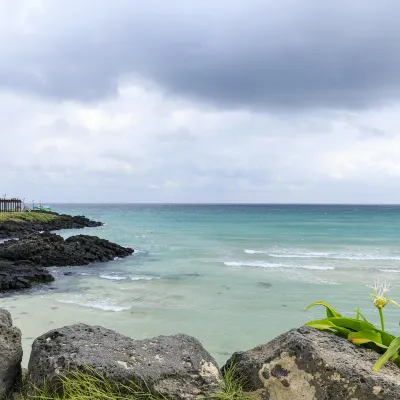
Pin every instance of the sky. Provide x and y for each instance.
(289, 101)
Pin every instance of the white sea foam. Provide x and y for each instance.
(336, 256)
(369, 257)
(396, 271)
(256, 264)
(316, 267)
(140, 251)
(97, 304)
(113, 277)
(265, 264)
(143, 278)
(300, 255)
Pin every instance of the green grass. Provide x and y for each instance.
(79, 385)
(26, 217)
(231, 387)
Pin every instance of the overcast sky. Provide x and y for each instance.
(200, 101)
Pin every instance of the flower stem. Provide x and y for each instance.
(382, 321)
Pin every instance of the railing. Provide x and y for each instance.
(10, 205)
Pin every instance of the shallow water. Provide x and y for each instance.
(234, 276)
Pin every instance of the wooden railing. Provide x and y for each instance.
(10, 205)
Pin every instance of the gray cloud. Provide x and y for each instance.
(248, 54)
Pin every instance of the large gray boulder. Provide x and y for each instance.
(10, 353)
(306, 364)
(176, 367)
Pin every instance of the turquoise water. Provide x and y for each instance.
(233, 276)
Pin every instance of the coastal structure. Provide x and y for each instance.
(10, 205)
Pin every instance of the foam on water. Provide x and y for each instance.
(113, 277)
(96, 304)
(336, 256)
(256, 264)
(396, 271)
(265, 264)
(143, 278)
(249, 251)
(315, 267)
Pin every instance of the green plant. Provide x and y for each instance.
(231, 387)
(26, 217)
(361, 332)
(89, 385)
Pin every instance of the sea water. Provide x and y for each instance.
(233, 276)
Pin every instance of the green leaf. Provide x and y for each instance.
(330, 311)
(353, 324)
(326, 324)
(358, 315)
(390, 352)
(387, 338)
(363, 337)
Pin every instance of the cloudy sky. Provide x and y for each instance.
(200, 101)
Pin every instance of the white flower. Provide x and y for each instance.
(379, 294)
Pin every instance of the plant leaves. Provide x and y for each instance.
(358, 315)
(326, 324)
(363, 337)
(387, 338)
(353, 324)
(330, 311)
(390, 352)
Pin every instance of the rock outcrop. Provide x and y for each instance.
(306, 364)
(48, 250)
(21, 275)
(10, 354)
(12, 229)
(176, 367)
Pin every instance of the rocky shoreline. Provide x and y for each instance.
(12, 229)
(30, 248)
(302, 364)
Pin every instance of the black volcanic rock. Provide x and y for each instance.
(48, 250)
(169, 367)
(23, 259)
(12, 229)
(22, 275)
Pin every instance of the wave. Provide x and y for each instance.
(317, 267)
(248, 251)
(113, 277)
(256, 264)
(301, 255)
(144, 278)
(390, 270)
(265, 264)
(336, 256)
(97, 304)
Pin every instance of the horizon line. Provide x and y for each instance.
(224, 203)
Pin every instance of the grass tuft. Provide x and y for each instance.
(231, 387)
(88, 385)
(26, 217)
(91, 385)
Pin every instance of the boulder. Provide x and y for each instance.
(306, 364)
(47, 250)
(22, 275)
(10, 354)
(176, 366)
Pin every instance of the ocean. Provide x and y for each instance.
(233, 276)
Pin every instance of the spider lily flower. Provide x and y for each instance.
(378, 295)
